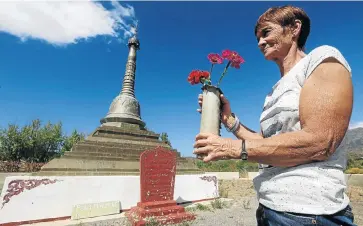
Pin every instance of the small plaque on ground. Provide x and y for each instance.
(88, 210)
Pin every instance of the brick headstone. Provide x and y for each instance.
(157, 175)
(157, 181)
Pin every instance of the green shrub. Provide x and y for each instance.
(34, 143)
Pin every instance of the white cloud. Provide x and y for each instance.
(356, 125)
(62, 22)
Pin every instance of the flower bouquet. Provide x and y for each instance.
(211, 108)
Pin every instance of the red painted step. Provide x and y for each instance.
(163, 211)
(156, 204)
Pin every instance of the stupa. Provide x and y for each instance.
(115, 146)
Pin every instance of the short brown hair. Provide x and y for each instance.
(286, 16)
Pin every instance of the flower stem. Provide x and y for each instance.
(202, 80)
(207, 81)
(224, 73)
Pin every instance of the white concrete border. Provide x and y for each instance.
(56, 199)
(224, 175)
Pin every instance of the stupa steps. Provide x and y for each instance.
(67, 163)
(87, 173)
(126, 131)
(102, 172)
(135, 137)
(116, 150)
(108, 142)
(100, 153)
(81, 171)
(104, 156)
(94, 146)
(98, 157)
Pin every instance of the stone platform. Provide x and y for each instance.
(53, 198)
(111, 150)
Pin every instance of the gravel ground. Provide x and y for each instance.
(242, 214)
(242, 210)
(356, 196)
(238, 212)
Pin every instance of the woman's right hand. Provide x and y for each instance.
(226, 107)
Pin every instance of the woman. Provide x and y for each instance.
(304, 119)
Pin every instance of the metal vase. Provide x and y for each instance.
(211, 110)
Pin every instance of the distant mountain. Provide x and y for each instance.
(353, 141)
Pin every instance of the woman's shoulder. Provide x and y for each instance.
(323, 52)
(324, 48)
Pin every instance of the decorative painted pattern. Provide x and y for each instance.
(16, 187)
(209, 179)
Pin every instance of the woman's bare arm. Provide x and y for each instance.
(325, 109)
(245, 133)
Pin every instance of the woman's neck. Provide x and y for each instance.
(290, 60)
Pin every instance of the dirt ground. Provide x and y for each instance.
(242, 188)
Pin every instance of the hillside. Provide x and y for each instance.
(353, 141)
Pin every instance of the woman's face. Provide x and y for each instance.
(273, 41)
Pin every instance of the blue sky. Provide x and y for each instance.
(71, 72)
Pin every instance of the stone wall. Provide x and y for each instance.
(355, 179)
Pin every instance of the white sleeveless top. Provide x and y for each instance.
(315, 188)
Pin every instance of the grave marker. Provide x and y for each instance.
(157, 181)
(157, 175)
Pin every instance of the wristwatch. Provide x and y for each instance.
(244, 154)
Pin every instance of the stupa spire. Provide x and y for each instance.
(128, 85)
(125, 108)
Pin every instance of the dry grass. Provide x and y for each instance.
(354, 171)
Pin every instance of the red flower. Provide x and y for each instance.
(234, 57)
(193, 77)
(215, 58)
(226, 54)
(237, 61)
(196, 75)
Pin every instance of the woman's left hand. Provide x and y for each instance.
(214, 147)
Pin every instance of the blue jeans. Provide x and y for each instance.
(269, 217)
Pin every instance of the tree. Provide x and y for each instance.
(31, 143)
(34, 142)
(164, 137)
(72, 140)
(354, 160)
